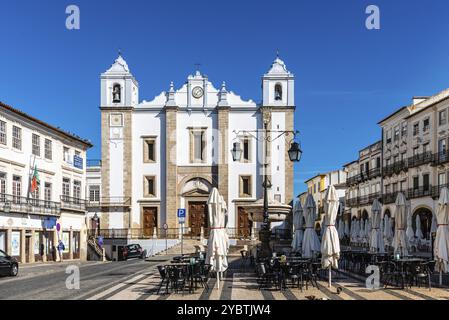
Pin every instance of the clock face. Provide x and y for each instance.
(197, 92)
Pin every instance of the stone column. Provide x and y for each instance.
(289, 181)
(44, 248)
(127, 166)
(223, 152)
(83, 243)
(171, 167)
(32, 240)
(70, 244)
(54, 234)
(23, 258)
(8, 241)
(105, 164)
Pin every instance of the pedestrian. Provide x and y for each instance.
(61, 249)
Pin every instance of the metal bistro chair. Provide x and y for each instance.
(164, 278)
(177, 276)
(421, 273)
(265, 276)
(201, 274)
(390, 272)
(245, 257)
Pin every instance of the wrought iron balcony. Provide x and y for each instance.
(420, 159)
(441, 158)
(354, 180)
(104, 202)
(389, 197)
(15, 204)
(395, 168)
(424, 191)
(353, 202)
(70, 203)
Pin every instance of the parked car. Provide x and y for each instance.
(134, 251)
(8, 265)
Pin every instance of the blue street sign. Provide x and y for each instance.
(181, 213)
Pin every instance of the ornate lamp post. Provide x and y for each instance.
(294, 154)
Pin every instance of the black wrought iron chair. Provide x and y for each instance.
(164, 278)
(201, 274)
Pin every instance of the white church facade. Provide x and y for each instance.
(168, 153)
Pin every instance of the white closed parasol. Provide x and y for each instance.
(218, 243)
(298, 218)
(310, 243)
(330, 245)
(400, 219)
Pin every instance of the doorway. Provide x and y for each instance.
(198, 217)
(244, 224)
(149, 221)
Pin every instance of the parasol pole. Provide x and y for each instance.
(330, 275)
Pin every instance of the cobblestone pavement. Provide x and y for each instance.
(240, 284)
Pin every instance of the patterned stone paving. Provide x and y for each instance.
(240, 284)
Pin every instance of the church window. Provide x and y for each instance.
(278, 92)
(116, 93)
(245, 186)
(197, 145)
(149, 186)
(149, 150)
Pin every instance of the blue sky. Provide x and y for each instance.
(347, 77)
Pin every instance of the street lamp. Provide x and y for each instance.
(95, 219)
(236, 152)
(294, 154)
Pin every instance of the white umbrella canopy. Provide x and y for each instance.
(441, 246)
(298, 217)
(418, 233)
(341, 228)
(376, 236)
(310, 243)
(218, 243)
(361, 234)
(400, 219)
(409, 232)
(330, 246)
(367, 231)
(347, 231)
(388, 234)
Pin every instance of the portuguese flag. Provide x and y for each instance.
(35, 180)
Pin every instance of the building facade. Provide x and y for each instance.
(168, 153)
(28, 220)
(364, 181)
(317, 186)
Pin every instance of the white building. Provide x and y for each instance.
(168, 153)
(28, 222)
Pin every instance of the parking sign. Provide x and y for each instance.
(181, 213)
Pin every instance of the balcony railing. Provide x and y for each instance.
(436, 190)
(71, 203)
(93, 163)
(420, 159)
(174, 233)
(11, 203)
(109, 202)
(354, 180)
(441, 157)
(390, 197)
(395, 168)
(424, 191)
(352, 202)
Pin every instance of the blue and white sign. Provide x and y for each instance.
(181, 213)
(77, 162)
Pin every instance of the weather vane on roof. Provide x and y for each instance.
(277, 53)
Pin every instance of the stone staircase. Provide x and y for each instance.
(95, 252)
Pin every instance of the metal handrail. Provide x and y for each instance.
(12, 203)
